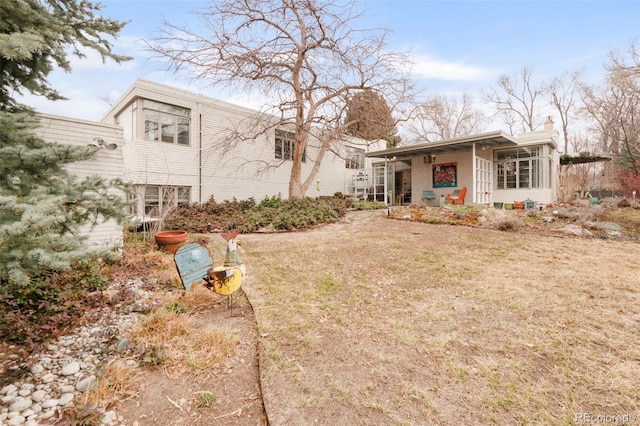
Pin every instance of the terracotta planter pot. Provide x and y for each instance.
(170, 241)
(518, 205)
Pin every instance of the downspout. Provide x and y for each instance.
(200, 158)
(199, 106)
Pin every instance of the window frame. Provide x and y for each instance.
(519, 168)
(284, 143)
(166, 123)
(354, 158)
(154, 198)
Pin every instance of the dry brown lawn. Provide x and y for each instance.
(383, 321)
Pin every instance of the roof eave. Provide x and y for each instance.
(489, 140)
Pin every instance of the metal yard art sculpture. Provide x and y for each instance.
(194, 264)
(227, 278)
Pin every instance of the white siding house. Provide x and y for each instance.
(108, 163)
(177, 147)
(494, 167)
(183, 147)
(174, 147)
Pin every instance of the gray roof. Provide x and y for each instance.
(489, 140)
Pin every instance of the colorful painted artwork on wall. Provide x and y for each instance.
(445, 175)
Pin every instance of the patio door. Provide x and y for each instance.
(401, 183)
(482, 186)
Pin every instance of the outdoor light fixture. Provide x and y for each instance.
(430, 158)
(98, 143)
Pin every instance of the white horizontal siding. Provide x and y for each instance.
(539, 195)
(107, 164)
(248, 170)
(160, 163)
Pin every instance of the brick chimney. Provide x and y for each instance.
(548, 125)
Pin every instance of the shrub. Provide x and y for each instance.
(368, 205)
(50, 302)
(507, 223)
(248, 216)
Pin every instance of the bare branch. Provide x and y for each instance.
(444, 118)
(564, 94)
(305, 55)
(516, 100)
(614, 109)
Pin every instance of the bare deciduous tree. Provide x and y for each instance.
(564, 93)
(575, 178)
(443, 118)
(305, 55)
(620, 64)
(517, 101)
(614, 109)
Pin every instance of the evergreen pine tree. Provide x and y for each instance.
(42, 206)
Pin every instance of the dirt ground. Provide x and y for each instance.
(167, 398)
(171, 397)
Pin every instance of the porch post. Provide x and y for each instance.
(474, 164)
(386, 201)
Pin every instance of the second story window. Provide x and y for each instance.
(166, 123)
(354, 158)
(285, 141)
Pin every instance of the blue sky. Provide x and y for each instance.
(461, 46)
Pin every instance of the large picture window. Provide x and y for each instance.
(165, 123)
(519, 168)
(285, 141)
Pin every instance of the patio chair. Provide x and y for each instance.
(458, 196)
(428, 197)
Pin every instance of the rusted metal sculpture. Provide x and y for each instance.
(194, 263)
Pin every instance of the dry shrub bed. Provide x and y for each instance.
(273, 213)
(402, 322)
(196, 356)
(605, 221)
(189, 358)
(171, 337)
